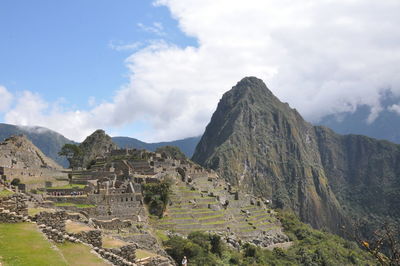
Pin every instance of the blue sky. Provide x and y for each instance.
(64, 48)
(155, 70)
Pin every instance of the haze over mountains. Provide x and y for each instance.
(386, 124)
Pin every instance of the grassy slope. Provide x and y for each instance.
(22, 244)
(78, 254)
(5, 193)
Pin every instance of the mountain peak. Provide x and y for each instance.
(262, 145)
(251, 82)
(97, 144)
(249, 87)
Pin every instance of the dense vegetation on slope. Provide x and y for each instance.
(310, 247)
(156, 196)
(82, 155)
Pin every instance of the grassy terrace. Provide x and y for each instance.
(34, 211)
(109, 242)
(23, 244)
(5, 193)
(141, 254)
(79, 255)
(66, 204)
(69, 186)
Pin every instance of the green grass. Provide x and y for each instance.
(211, 217)
(69, 186)
(109, 242)
(176, 218)
(79, 255)
(161, 235)
(141, 253)
(216, 223)
(34, 211)
(167, 223)
(5, 193)
(23, 244)
(66, 204)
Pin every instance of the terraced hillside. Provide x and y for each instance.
(210, 204)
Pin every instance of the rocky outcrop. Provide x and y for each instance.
(265, 147)
(48, 141)
(96, 145)
(19, 152)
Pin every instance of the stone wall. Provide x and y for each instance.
(10, 217)
(31, 174)
(113, 224)
(53, 220)
(15, 203)
(123, 206)
(92, 237)
(127, 252)
(113, 258)
(70, 199)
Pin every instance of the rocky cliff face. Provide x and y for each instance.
(19, 152)
(364, 174)
(265, 147)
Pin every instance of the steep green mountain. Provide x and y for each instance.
(187, 145)
(262, 145)
(48, 141)
(95, 145)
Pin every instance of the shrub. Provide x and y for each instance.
(15, 182)
(156, 195)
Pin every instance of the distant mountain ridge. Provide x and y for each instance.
(50, 142)
(385, 126)
(19, 152)
(187, 145)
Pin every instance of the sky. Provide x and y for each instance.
(156, 69)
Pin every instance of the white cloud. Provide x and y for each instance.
(6, 99)
(321, 56)
(156, 28)
(121, 46)
(394, 108)
(31, 110)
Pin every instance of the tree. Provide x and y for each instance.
(383, 244)
(15, 182)
(156, 195)
(72, 152)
